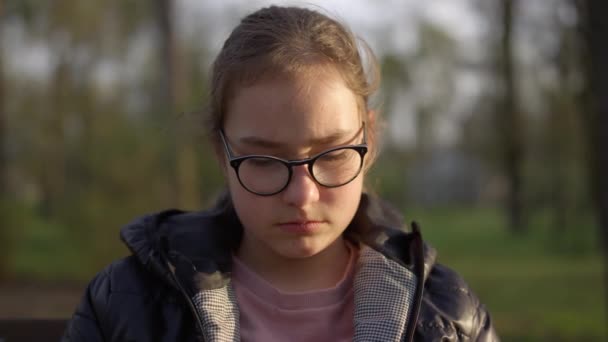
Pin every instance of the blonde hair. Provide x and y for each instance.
(290, 40)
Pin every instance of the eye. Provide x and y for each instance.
(338, 155)
(262, 162)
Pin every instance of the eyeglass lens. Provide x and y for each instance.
(264, 175)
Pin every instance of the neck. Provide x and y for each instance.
(320, 271)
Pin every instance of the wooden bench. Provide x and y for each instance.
(13, 330)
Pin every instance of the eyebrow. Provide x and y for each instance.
(264, 143)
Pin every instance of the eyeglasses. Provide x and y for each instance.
(267, 175)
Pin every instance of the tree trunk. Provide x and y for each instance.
(511, 125)
(184, 163)
(595, 26)
(167, 85)
(52, 168)
(563, 131)
(3, 161)
(4, 226)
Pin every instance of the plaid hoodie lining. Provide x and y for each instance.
(384, 292)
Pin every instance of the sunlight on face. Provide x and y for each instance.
(294, 117)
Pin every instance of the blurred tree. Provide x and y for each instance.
(565, 128)
(167, 83)
(395, 79)
(3, 161)
(185, 192)
(417, 89)
(388, 175)
(435, 66)
(595, 30)
(4, 248)
(551, 133)
(511, 125)
(73, 133)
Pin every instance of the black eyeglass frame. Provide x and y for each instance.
(235, 162)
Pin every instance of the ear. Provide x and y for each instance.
(371, 126)
(370, 118)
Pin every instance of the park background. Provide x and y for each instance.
(489, 142)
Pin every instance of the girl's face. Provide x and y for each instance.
(293, 117)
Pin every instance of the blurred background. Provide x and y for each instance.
(490, 142)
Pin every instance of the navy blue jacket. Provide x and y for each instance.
(148, 296)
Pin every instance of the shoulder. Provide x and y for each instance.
(449, 290)
(124, 301)
(451, 309)
(126, 276)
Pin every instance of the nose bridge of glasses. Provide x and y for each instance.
(302, 162)
(301, 178)
(304, 165)
(299, 162)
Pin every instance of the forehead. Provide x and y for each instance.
(293, 109)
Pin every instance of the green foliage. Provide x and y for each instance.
(42, 249)
(87, 156)
(388, 177)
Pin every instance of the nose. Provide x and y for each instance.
(302, 189)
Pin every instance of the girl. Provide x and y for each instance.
(295, 250)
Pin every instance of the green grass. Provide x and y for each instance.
(540, 286)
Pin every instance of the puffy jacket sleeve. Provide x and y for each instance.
(486, 332)
(87, 322)
(451, 311)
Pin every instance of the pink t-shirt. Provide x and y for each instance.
(267, 314)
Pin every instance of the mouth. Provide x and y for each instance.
(301, 226)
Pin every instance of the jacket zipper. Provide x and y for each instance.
(192, 306)
(419, 265)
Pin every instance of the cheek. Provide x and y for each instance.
(251, 209)
(239, 195)
(342, 203)
(353, 191)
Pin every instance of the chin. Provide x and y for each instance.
(300, 250)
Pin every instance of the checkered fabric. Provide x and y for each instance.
(219, 314)
(384, 292)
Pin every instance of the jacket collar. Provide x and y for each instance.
(197, 245)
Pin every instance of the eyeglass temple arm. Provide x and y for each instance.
(364, 132)
(226, 146)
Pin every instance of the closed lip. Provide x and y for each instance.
(303, 226)
(301, 222)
